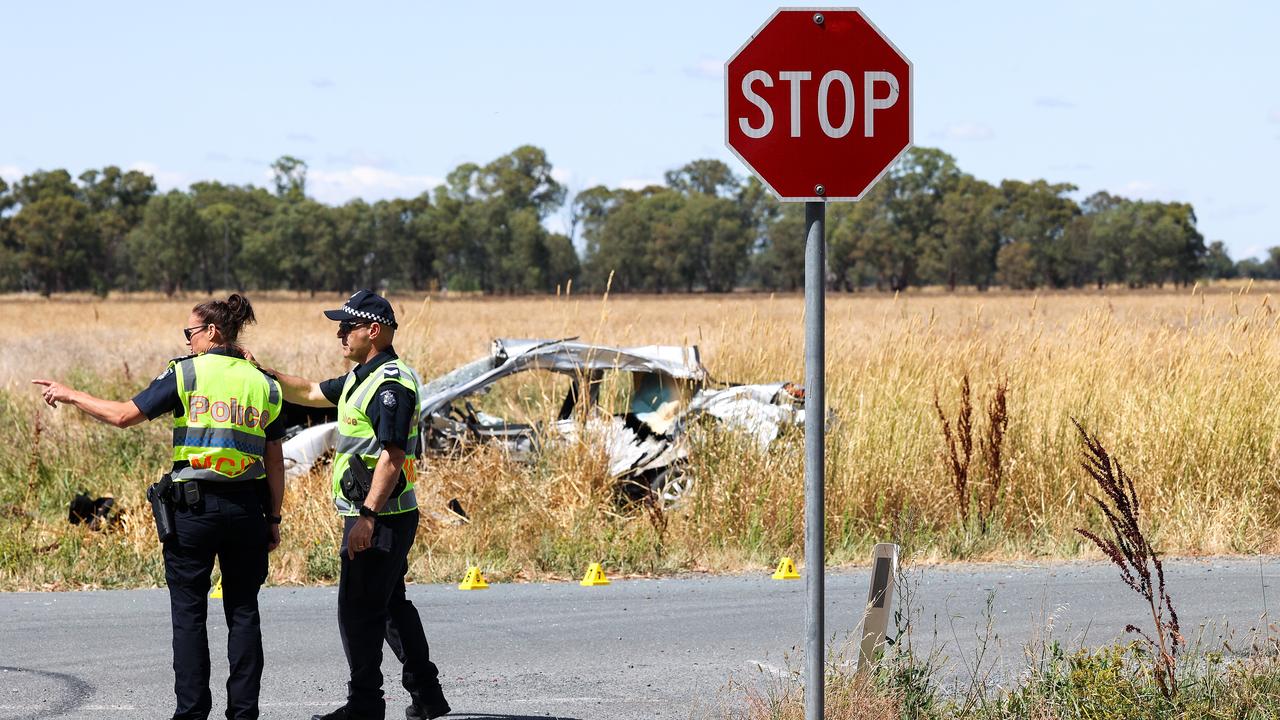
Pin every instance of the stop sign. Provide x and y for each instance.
(818, 104)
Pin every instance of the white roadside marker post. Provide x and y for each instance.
(875, 620)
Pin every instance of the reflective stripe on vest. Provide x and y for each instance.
(358, 442)
(404, 502)
(370, 446)
(221, 438)
(253, 471)
(227, 404)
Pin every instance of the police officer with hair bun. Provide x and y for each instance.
(224, 493)
(373, 476)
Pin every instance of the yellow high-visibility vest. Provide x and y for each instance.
(227, 403)
(358, 442)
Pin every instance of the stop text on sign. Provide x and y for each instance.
(837, 81)
(818, 104)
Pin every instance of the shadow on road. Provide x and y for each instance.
(491, 716)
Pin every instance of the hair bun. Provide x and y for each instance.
(228, 315)
(239, 309)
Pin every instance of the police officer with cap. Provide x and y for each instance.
(227, 483)
(373, 476)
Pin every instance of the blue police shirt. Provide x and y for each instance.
(392, 412)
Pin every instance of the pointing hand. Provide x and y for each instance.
(54, 392)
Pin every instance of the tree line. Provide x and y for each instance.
(702, 229)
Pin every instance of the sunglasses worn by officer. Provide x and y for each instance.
(188, 332)
(345, 327)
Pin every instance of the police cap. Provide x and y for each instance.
(364, 306)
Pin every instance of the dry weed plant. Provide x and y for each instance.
(959, 446)
(993, 446)
(958, 451)
(1187, 380)
(1128, 548)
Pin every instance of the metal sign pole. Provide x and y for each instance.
(815, 412)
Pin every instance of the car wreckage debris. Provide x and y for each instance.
(646, 444)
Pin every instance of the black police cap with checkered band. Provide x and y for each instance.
(364, 306)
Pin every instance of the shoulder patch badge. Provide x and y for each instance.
(391, 370)
(388, 399)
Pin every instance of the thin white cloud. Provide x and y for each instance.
(561, 175)
(300, 137)
(166, 180)
(638, 183)
(1274, 116)
(967, 132)
(706, 68)
(11, 173)
(361, 158)
(1239, 210)
(322, 83)
(1047, 101)
(366, 182)
(1149, 190)
(556, 224)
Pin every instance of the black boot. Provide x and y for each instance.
(435, 708)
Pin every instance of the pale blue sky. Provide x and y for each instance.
(1159, 100)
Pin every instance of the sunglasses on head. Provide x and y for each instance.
(188, 332)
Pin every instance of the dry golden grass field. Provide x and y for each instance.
(1180, 385)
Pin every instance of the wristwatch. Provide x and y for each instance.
(366, 511)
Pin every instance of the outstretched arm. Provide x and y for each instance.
(299, 390)
(113, 412)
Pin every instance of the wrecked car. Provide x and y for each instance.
(635, 403)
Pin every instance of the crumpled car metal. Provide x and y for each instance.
(646, 443)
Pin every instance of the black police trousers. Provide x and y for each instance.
(228, 522)
(372, 607)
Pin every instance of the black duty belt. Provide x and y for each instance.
(220, 487)
(230, 486)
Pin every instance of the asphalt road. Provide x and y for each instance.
(634, 649)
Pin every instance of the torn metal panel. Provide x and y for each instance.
(568, 355)
(305, 449)
(565, 356)
(761, 410)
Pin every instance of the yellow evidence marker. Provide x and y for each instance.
(216, 594)
(474, 580)
(595, 576)
(786, 570)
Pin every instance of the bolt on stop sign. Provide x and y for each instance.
(818, 104)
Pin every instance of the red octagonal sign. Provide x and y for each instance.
(818, 104)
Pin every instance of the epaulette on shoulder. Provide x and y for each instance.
(391, 370)
(173, 363)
